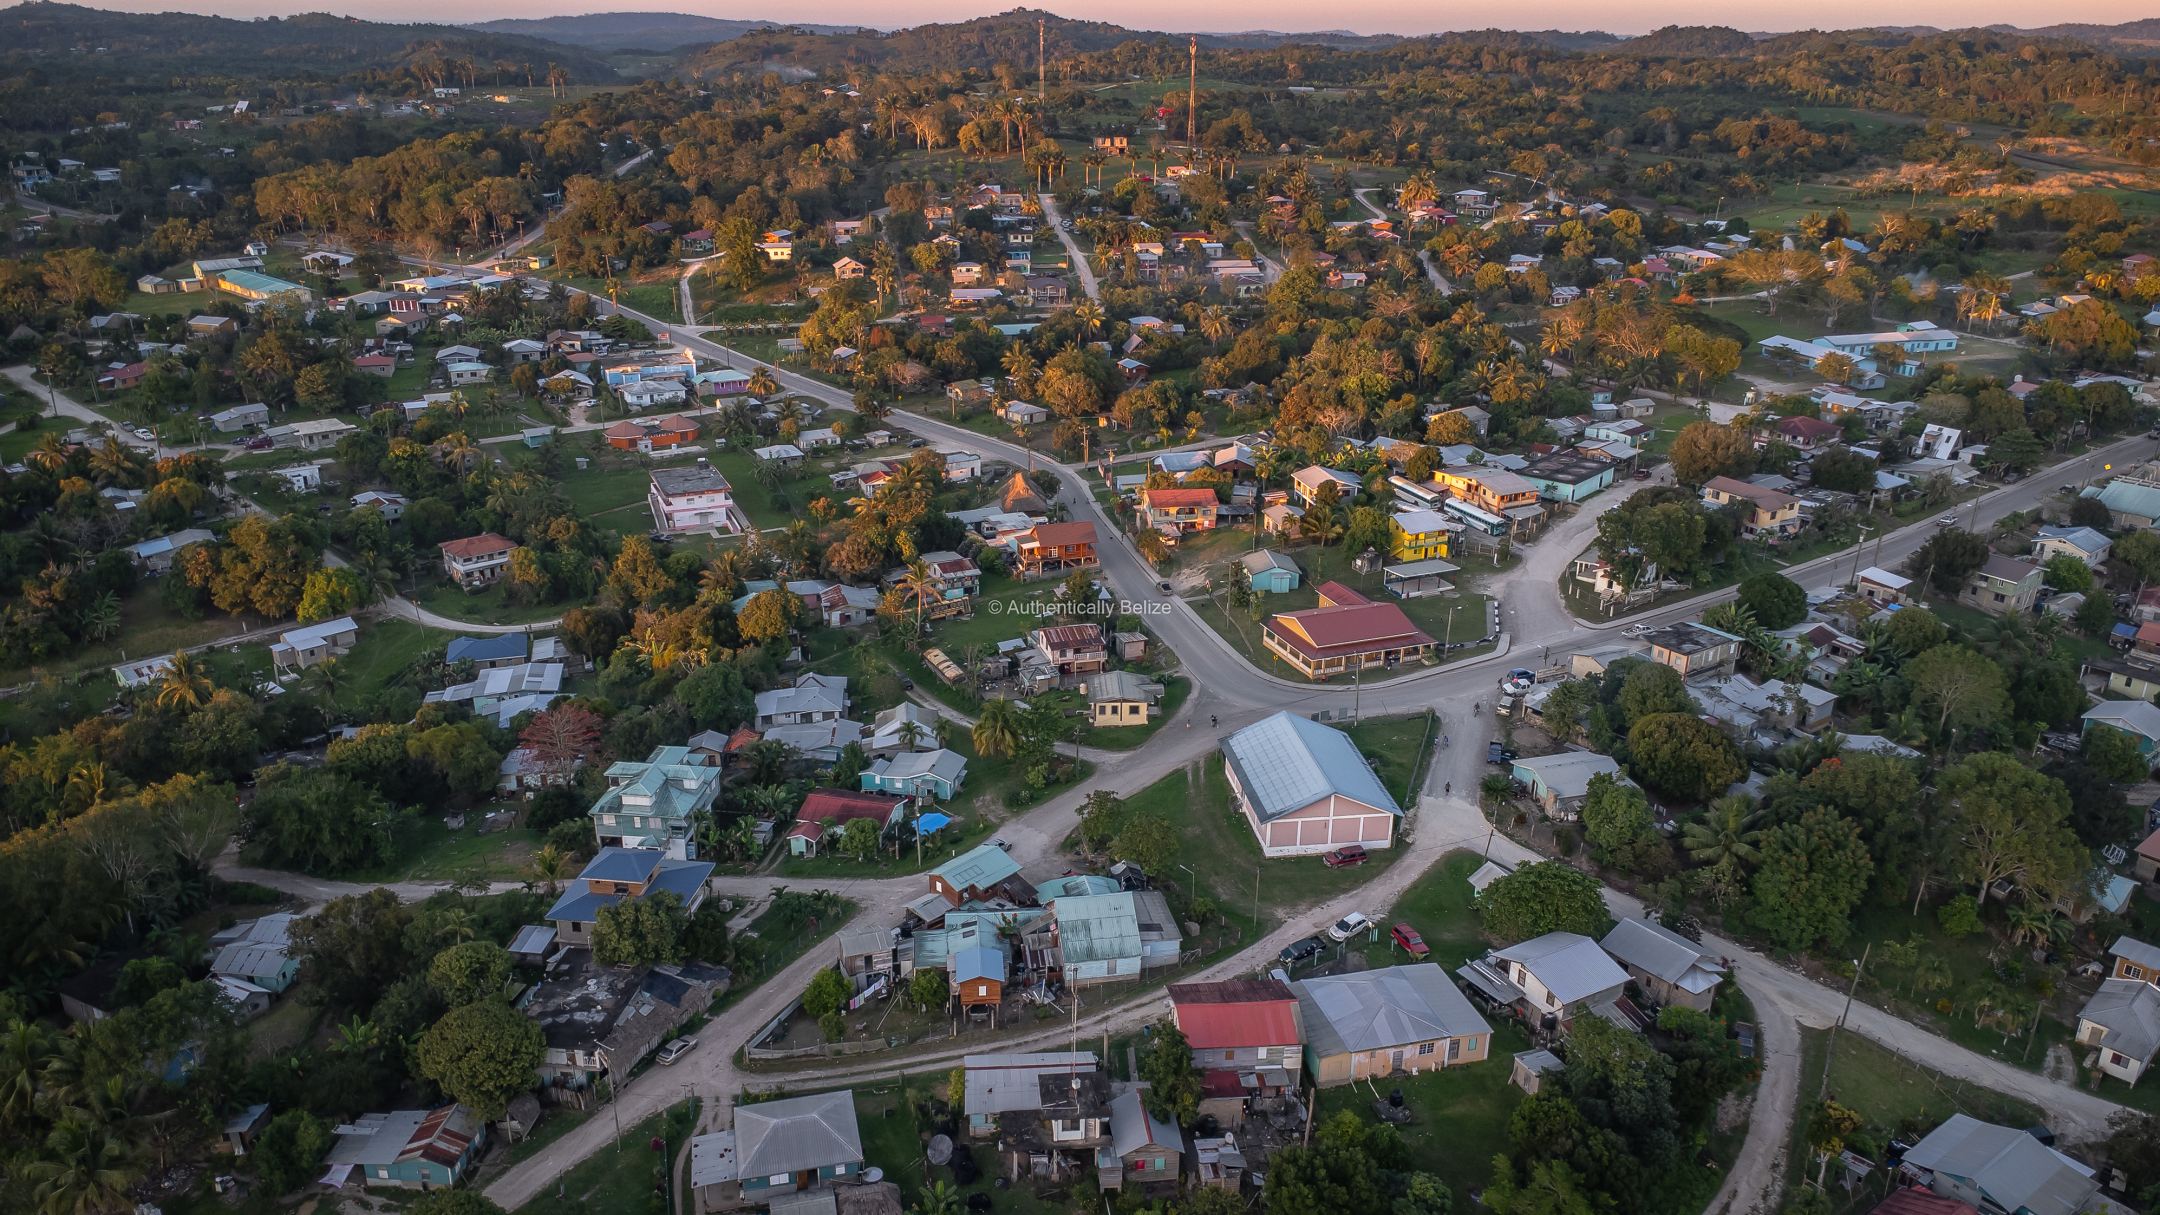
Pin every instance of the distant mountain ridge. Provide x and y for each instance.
(307, 41)
(641, 31)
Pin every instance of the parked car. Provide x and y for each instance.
(1642, 474)
(1518, 681)
(145, 434)
(258, 443)
(1498, 754)
(1946, 521)
(1345, 856)
(674, 1050)
(1408, 938)
(1349, 926)
(1298, 951)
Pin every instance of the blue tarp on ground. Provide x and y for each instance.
(931, 823)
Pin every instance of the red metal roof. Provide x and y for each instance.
(841, 805)
(1346, 630)
(1178, 497)
(477, 546)
(1248, 1019)
(1061, 535)
(1916, 1201)
(1808, 428)
(1335, 594)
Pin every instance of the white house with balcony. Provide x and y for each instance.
(698, 499)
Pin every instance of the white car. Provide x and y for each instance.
(145, 434)
(1635, 630)
(1349, 926)
(674, 1050)
(1947, 521)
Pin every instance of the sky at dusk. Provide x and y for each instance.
(1363, 16)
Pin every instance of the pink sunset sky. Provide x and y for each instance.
(1363, 16)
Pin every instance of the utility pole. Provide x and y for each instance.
(1192, 95)
(1830, 1056)
(1042, 63)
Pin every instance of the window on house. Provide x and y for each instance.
(1425, 1048)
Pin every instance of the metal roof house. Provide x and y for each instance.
(981, 872)
(1560, 782)
(410, 1149)
(615, 874)
(2140, 719)
(1304, 788)
(790, 1146)
(2122, 1020)
(652, 804)
(1380, 1022)
(1552, 978)
(1100, 938)
(2000, 1170)
(994, 1084)
(1670, 968)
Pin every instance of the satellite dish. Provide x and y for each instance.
(941, 1149)
(872, 1175)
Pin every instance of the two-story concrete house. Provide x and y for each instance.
(1765, 513)
(477, 561)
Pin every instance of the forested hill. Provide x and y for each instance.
(61, 36)
(1010, 37)
(638, 31)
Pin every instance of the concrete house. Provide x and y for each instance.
(2140, 719)
(1179, 510)
(1694, 649)
(299, 649)
(697, 499)
(1670, 968)
(1559, 782)
(1346, 633)
(2083, 543)
(478, 561)
(155, 557)
(1377, 1023)
(1120, 698)
(2003, 586)
(1304, 788)
(1883, 588)
(796, 1145)
(1765, 513)
(813, 698)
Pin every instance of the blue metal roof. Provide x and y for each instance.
(614, 864)
(497, 648)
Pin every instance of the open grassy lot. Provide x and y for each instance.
(147, 627)
(1438, 906)
(491, 605)
(793, 923)
(429, 851)
(621, 1182)
(385, 649)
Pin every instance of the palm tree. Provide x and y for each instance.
(184, 684)
(763, 383)
(1728, 833)
(357, 1037)
(83, 1170)
(1214, 324)
(1090, 315)
(24, 1047)
(550, 867)
(997, 729)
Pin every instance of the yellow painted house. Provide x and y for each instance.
(1416, 535)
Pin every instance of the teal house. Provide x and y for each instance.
(408, 1149)
(923, 775)
(2140, 719)
(1272, 573)
(1569, 475)
(793, 1146)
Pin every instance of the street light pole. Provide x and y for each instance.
(1829, 1055)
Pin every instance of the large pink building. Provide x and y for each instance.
(692, 500)
(1304, 788)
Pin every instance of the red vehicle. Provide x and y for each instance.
(1344, 857)
(1408, 938)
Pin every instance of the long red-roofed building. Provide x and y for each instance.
(827, 810)
(1346, 633)
(1244, 1036)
